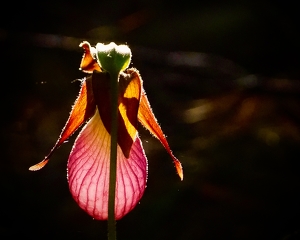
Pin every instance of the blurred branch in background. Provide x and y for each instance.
(179, 60)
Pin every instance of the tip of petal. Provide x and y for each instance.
(179, 169)
(39, 165)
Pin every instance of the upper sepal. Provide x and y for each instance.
(130, 88)
(89, 59)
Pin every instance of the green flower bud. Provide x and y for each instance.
(113, 58)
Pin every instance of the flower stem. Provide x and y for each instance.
(113, 157)
(113, 59)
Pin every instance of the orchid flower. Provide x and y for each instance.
(89, 160)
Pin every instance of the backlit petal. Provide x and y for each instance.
(88, 172)
(82, 110)
(148, 120)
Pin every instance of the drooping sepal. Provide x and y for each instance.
(147, 119)
(83, 109)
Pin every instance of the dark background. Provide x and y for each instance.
(223, 81)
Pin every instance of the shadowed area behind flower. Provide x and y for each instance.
(234, 124)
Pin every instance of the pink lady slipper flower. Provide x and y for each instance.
(89, 160)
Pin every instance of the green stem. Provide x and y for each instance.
(113, 59)
(113, 157)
